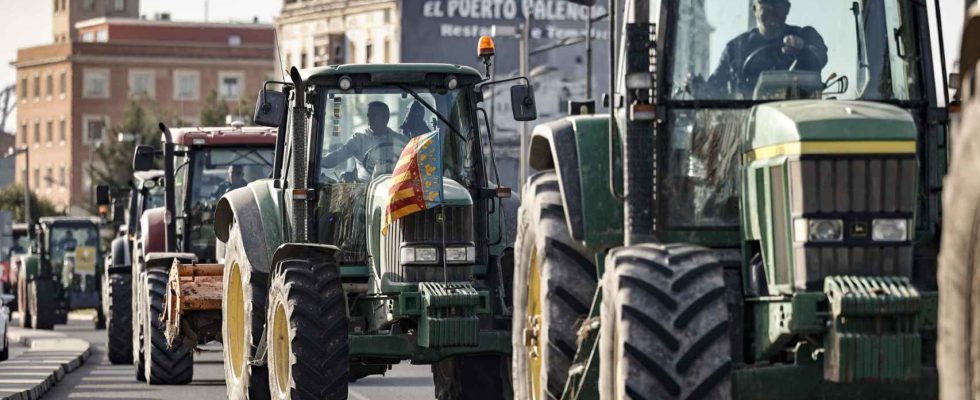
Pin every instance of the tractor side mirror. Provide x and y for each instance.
(143, 158)
(102, 195)
(270, 108)
(522, 103)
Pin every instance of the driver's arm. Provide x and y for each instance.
(814, 54)
(346, 151)
(722, 80)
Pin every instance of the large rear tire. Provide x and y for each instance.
(139, 353)
(307, 338)
(44, 303)
(242, 322)
(484, 377)
(665, 325)
(554, 284)
(958, 358)
(163, 365)
(119, 324)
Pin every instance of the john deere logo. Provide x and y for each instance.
(859, 229)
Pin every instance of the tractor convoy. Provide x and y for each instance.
(753, 220)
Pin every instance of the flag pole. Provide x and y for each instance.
(442, 208)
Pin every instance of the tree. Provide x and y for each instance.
(12, 199)
(214, 110)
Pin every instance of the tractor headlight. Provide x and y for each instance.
(461, 255)
(890, 230)
(419, 255)
(819, 230)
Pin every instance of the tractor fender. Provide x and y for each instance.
(119, 256)
(255, 210)
(29, 266)
(577, 148)
(308, 251)
(153, 230)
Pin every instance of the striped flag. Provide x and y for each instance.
(416, 183)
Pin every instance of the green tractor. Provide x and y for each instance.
(758, 220)
(316, 295)
(62, 272)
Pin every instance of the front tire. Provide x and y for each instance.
(554, 284)
(163, 365)
(43, 303)
(23, 304)
(665, 325)
(119, 314)
(243, 319)
(308, 338)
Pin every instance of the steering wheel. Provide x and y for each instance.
(378, 148)
(768, 58)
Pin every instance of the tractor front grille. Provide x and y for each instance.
(423, 228)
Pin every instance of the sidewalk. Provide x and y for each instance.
(50, 355)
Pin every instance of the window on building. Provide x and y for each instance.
(49, 177)
(95, 84)
(49, 85)
(37, 133)
(23, 88)
(37, 177)
(62, 83)
(369, 53)
(57, 5)
(88, 5)
(95, 128)
(187, 85)
(62, 176)
(142, 83)
(302, 60)
(230, 85)
(50, 132)
(62, 130)
(387, 50)
(234, 40)
(23, 134)
(88, 36)
(102, 36)
(119, 5)
(37, 86)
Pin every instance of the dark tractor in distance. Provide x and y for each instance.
(20, 242)
(752, 222)
(61, 273)
(316, 294)
(126, 206)
(199, 166)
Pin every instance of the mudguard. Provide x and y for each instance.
(119, 256)
(153, 232)
(256, 210)
(577, 148)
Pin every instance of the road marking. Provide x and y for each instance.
(357, 396)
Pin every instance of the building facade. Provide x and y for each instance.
(72, 92)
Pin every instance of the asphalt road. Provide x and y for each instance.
(98, 379)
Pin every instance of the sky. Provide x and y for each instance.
(28, 22)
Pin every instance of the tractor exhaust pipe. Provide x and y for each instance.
(301, 194)
(170, 199)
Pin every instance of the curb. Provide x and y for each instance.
(50, 357)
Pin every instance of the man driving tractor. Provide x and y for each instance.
(376, 150)
(772, 45)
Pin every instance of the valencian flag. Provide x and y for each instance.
(416, 183)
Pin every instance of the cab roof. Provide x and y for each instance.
(69, 220)
(224, 136)
(409, 70)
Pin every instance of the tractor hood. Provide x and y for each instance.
(786, 122)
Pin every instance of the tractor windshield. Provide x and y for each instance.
(212, 173)
(363, 134)
(781, 50)
(80, 240)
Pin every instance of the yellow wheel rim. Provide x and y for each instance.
(280, 349)
(236, 320)
(532, 331)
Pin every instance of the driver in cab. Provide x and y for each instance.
(772, 45)
(382, 144)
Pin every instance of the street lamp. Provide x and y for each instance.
(14, 152)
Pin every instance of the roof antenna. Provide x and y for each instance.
(282, 65)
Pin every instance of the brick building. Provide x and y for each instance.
(72, 91)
